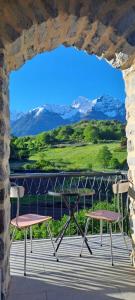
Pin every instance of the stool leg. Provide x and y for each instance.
(31, 239)
(25, 250)
(101, 231)
(50, 234)
(85, 233)
(121, 230)
(110, 225)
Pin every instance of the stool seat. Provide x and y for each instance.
(105, 215)
(28, 220)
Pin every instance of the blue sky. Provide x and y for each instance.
(60, 76)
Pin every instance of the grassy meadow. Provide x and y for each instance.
(80, 146)
(78, 157)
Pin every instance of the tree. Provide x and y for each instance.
(114, 163)
(78, 134)
(91, 133)
(124, 165)
(123, 143)
(65, 133)
(104, 156)
(13, 151)
(23, 154)
(45, 138)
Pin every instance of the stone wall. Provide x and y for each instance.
(101, 27)
(4, 176)
(129, 78)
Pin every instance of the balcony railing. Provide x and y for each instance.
(37, 200)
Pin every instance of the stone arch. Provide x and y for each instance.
(104, 28)
(98, 27)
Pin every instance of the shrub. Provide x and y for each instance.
(124, 164)
(89, 166)
(114, 163)
(104, 156)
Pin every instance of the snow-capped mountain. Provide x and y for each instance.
(106, 104)
(64, 111)
(83, 104)
(50, 116)
(14, 115)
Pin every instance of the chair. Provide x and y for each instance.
(27, 221)
(110, 216)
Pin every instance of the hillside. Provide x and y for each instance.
(73, 158)
(72, 147)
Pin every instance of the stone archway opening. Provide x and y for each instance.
(61, 69)
(101, 27)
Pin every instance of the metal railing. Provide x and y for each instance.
(37, 185)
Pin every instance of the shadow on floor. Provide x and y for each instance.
(73, 278)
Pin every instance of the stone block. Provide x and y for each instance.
(11, 32)
(51, 8)
(2, 195)
(131, 38)
(4, 192)
(19, 60)
(2, 149)
(95, 39)
(120, 59)
(113, 38)
(102, 49)
(3, 174)
(79, 43)
(3, 127)
(42, 33)
(1, 59)
(2, 220)
(73, 27)
(3, 85)
(29, 37)
(30, 52)
(127, 20)
(23, 21)
(130, 146)
(15, 47)
(1, 249)
(107, 18)
(131, 161)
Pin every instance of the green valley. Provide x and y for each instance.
(87, 145)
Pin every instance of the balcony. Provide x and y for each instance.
(72, 277)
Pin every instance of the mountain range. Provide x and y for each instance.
(50, 116)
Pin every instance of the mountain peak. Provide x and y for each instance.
(82, 104)
(50, 116)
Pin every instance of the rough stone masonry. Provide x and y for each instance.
(105, 28)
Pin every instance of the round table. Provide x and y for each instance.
(77, 194)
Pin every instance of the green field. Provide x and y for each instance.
(73, 147)
(79, 157)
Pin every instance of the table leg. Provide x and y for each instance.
(61, 231)
(85, 233)
(82, 234)
(62, 235)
